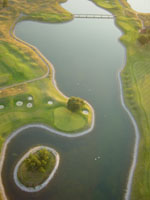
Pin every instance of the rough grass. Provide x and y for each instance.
(15, 66)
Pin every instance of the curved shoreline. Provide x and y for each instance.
(135, 152)
(13, 134)
(136, 144)
(45, 183)
(137, 133)
(49, 67)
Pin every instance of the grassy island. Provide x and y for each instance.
(36, 168)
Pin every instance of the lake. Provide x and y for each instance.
(140, 5)
(87, 55)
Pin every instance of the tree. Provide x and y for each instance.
(143, 39)
(5, 3)
(38, 161)
(75, 104)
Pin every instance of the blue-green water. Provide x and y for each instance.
(87, 55)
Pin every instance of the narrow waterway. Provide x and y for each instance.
(140, 5)
(87, 56)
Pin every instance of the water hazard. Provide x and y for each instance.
(87, 56)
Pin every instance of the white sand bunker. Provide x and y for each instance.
(30, 98)
(50, 102)
(2, 107)
(85, 112)
(19, 103)
(29, 105)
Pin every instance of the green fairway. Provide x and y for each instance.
(16, 66)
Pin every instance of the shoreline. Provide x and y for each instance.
(137, 133)
(46, 182)
(50, 68)
(136, 143)
(16, 132)
(134, 153)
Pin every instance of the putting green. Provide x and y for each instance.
(66, 120)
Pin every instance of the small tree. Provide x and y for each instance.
(38, 161)
(143, 39)
(5, 3)
(75, 104)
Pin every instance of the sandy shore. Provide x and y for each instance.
(45, 183)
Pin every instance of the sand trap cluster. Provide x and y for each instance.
(50, 102)
(29, 105)
(2, 107)
(19, 103)
(30, 98)
(85, 112)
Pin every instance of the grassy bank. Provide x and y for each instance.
(136, 85)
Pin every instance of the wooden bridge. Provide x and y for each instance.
(97, 16)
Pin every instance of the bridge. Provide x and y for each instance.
(93, 16)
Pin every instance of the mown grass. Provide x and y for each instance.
(136, 87)
(67, 121)
(41, 91)
(16, 66)
(19, 63)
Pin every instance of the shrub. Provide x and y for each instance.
(143, 39)
(38, 161)
(75, 104)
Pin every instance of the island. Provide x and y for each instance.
(36, 168)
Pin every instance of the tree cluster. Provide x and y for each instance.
(38, 161)
(5, 3)
(75, 104)
(144, 38)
